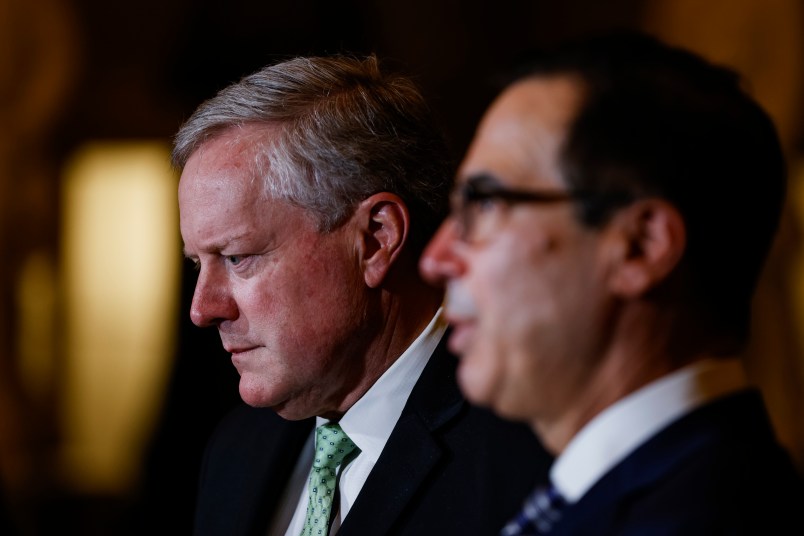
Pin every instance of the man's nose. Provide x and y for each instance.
(212, 300)
(439, 262)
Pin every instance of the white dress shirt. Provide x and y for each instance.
(368, 423)
(620, 429)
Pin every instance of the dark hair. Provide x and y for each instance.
(347, 130)
(661, 121)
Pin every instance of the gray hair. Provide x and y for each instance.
(346, 131)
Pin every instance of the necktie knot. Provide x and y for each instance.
(332, 446)
(541, 510)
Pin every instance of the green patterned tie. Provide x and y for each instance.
(332, 445)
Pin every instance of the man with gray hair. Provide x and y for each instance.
(308, 191)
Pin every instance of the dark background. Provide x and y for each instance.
(147, 65)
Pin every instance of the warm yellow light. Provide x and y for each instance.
(121, 271)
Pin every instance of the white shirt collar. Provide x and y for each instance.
(370, 420)
(622, 427)
(369, 423)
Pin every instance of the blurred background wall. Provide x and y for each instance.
(107, 392)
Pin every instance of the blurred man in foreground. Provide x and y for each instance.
(609, 224)
(307, 193)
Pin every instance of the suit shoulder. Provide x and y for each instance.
(718, 470)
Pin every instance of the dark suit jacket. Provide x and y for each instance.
(448, 468)
(718, 470)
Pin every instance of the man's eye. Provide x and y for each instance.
(488, 203)
(234, 260)
(482, 204)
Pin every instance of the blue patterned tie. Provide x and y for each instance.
(542, 510)
(332, 445)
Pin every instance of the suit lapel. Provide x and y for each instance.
(411, 452)
(275, 455)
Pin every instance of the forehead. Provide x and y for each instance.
(230, 155)
(228, 167)
(221, 197)
(519, 139)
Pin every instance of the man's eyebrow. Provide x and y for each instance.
(483, 180)
(216, 247)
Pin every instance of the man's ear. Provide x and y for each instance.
(383, 223)
(650, 238)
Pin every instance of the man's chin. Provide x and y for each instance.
(473, 383)
(256, 395)
(284, 407)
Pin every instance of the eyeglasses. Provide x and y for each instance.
(481, 192)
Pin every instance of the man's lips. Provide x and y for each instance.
(461, 335)
(461, 313)
(237, 350)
